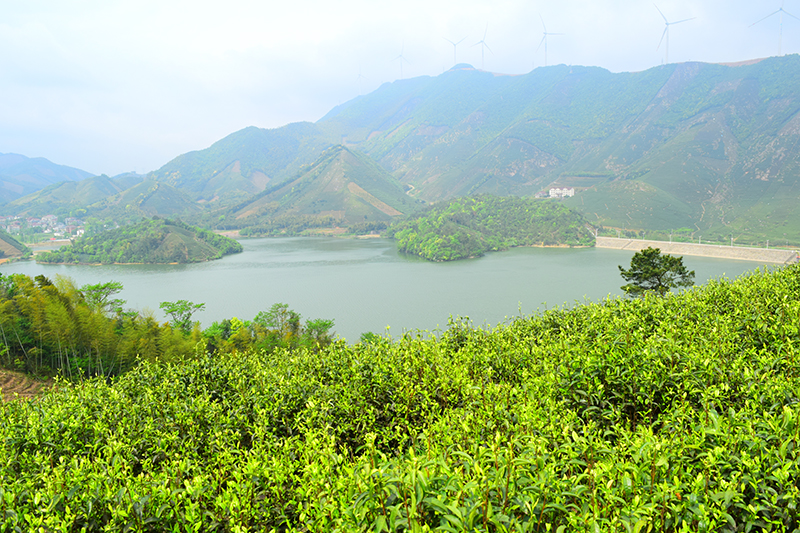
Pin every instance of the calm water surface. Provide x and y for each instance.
(366, 285)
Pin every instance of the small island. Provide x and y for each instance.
(150, 241)
(471, 226)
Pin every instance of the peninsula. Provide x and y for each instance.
(150, 241)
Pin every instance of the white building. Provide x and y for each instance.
(558, 192)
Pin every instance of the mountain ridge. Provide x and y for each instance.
(21, 175)
(712, 147)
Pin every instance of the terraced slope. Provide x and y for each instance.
(11, 247)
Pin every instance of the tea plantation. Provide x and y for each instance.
(658, 414)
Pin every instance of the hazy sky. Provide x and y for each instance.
(111, 86)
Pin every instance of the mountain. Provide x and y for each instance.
(716, 150)
(144, 199)
(64, 197)
(20, 175)
(243, 163)
(706, 146)
(342, 187)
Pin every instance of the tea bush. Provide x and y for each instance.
(659, 414)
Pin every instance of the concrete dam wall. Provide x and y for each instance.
(762, 255)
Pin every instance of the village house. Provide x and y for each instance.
(558, 192)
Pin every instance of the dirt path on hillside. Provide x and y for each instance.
(16, 385)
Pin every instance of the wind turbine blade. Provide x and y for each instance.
(662, 15)
(765, 18)
(459, 42)
(789, 14)
(684, 20)
(487, 47)
(485, 31)
(541, 42)
(543, 26)
(449, 41)
(662, 37)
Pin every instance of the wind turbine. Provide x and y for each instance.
(358, 80)
(454, 48)
(483, 44)
(402, 58)
(666, 34)
(545, 33)
(780, 31)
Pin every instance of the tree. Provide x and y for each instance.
(98, 296)
(319, 332)
(281, 319)
(181, 313)
(652, 271)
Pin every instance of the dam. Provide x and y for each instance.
(762, 255)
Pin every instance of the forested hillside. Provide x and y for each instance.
(149, 241)
(470, 227)
(343, 188)
(704, 146)
(244, 162)
(66, 197)
(665, 414)
(145, 199)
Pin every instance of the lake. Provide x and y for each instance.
(366, 285)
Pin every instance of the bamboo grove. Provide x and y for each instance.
(656, 414)
(50, 327)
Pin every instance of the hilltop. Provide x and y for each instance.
(149, 241)
(341, 188)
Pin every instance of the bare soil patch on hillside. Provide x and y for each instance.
(16, 385)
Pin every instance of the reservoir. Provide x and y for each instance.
(366, 285)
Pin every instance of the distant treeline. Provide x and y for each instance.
(289, 225)
(305, 224)
(149, 241)
(471, 226)
(52, 326)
